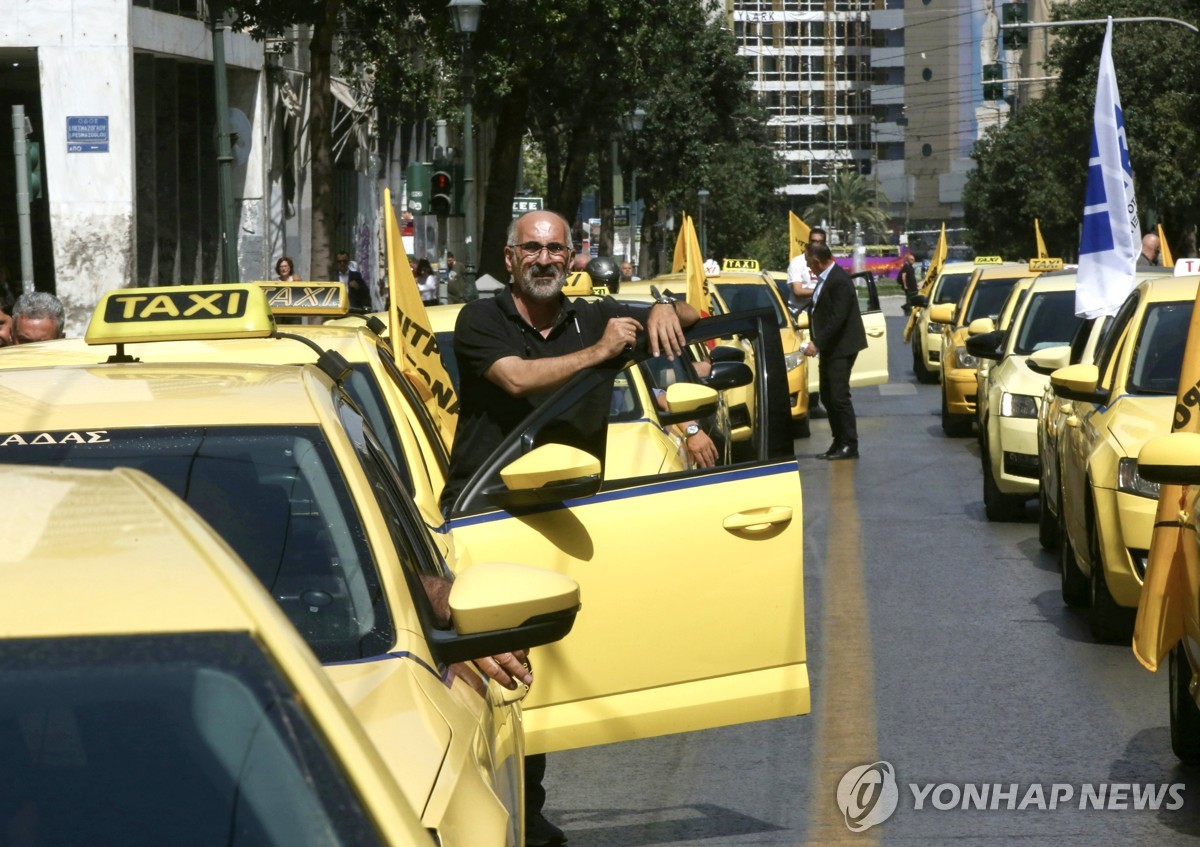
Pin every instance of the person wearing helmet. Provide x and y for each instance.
(604, 271)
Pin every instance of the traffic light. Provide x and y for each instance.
(441, 189)
(993, 88)
(33, 167)
(1015, 13)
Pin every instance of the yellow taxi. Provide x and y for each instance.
(583, 522)
(983, 297)
(1106, 508)
(153, 693)
(1008, 403)
(926, 338)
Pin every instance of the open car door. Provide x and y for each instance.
(692, 581)
(871, 366)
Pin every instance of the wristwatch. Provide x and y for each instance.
(690, 430)
(661, 298)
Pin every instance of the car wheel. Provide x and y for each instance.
(1185, 715)
(1074, 583)
(1047, 523)
(801, 427)
(954, 426)
(1111, 624)
(997, 505)
(920, 371)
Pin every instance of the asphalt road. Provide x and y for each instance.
(938, 643)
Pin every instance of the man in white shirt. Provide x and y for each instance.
(800, 279)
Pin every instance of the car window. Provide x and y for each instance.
(275, 494)
(950, 287)
(1113, 336)
(165, 739)
(363, 389)
(1158, 353)
(988, 299)
(1049, 322)
(741, 297)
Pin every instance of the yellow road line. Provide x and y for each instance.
(846, 701)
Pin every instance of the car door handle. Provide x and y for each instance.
(757, 520)
(875, 333)
(498, 695)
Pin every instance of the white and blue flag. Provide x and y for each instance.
(1111, 239)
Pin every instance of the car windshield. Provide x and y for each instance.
(275, 494)
(164, 739)
(1158, 355)
(1049, 322)
(988, 298)
(741, 297)
(950, 288)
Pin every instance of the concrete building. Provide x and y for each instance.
(120, 95)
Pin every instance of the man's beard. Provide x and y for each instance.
(540, 290)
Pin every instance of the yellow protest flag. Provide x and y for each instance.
(697, 280)
(413, 342)
(935, 267)
(1165, 257)
(1162, 604)
(798, 233)
(679, 259)
(1041, 245)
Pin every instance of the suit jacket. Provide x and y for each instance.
(357, 291)
(837, 325)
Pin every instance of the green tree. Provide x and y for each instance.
(849, 199)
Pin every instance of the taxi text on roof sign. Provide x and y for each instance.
(306, 298)
(989, 260)
(1045, 264)
(740, 265)
(179, 313)
(1187, 267)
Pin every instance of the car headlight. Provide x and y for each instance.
(965, 359)
(933, 329)
(1018, 406)
(792, 360)
(1129, 481)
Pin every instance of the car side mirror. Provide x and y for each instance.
(919, 300)
(1079, 382)
(498, 607)
(943, 313)
(721, 353)
(987, 345)
(981, 326)
(1049, 359)
(687, 401)
(802, 321)
(550, 473)
(726, 375)
(1172, 459)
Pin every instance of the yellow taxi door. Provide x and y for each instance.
(692, 582)
(870, 368)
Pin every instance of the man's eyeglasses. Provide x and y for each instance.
(534, 248)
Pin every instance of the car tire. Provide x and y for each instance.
(801, 428)
(1110, 623)
(1047, 523)
(923, 374)
(1185, 714)
(954, 426)
(1074, 583)
(997, 505)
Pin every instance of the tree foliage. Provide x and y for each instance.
(849, 200)
(1035, 165)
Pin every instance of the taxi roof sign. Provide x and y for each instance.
(989, 260)
(579, 284)
(180, 313)
(750, 265)
(1045, 264)
(306, 298)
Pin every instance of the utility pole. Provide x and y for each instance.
(229, 252)
(20, 129)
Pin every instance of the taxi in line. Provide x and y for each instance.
(561, 512)
(153, 692)
(1008, 401)
(1106, 508)
(926, 338)
(983, 297)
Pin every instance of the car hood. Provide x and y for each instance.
(1135, 420)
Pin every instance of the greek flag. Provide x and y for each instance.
(1110, 241)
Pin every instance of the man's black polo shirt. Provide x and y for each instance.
(489, 330)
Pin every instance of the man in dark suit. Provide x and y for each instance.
(356, 286)
(837, 334)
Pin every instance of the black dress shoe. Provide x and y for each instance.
(539, 832)
(843, 453)
(833, 448)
